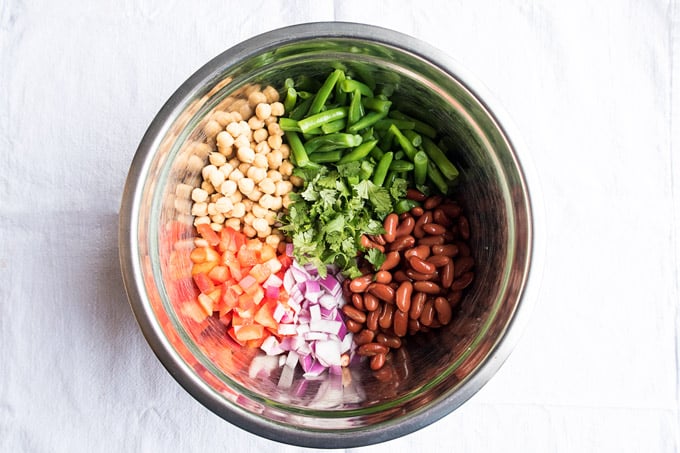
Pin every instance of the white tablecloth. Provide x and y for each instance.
(592, 86)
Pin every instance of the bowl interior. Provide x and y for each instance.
(431, 368)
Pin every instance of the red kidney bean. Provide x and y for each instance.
(391, 261)
(358, 301)
(378, 361)
(363, 337)
(406, 226)
(463, 248)
(464, 227)
(383, 292)
(400, 326)
(359, 284)
(443, 309)
(346, 292)
(419, 276)
(413, 325)
(427, 287)
(371, 349)
(400, 276)
(462, 265)
(354, 314)
(422, 266)
(427, 316)
(434, 229)
(439, 260)
(450, 234)
(390, 225)
(371, 303)
(353, 326)
(440, 217)
(368, 244)
(447, 273)
(463, 281)
(383, 277)
(452, 210)
(454, 297)
(402, 243)
(446, 250)
(386, 315)
(422, 220)
(415, 195)
(417, 211)
(391, 341)
(372, 320)
(403, 297)
(432, 202)
(417, 304)
(378, 239)
(421, 251)
(432, 240)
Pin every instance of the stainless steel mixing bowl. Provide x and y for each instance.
(436, 372)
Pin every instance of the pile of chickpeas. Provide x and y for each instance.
(248, 178)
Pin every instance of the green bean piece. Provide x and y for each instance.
(401, 165)
(366, 170)
(300, 110)
(305, 95)
(316, 120)
(324, 92)
(382, 168)
(399, 155)
(340, 95)
(377, 153)
(289, 124)
(326, 157)
(401, 124)
(404, 142)
(437, 156)
(332, 142)
(288, 83)
(367, 120)
(359, 152)
(356, 110)
(420, 161)
(290, 99)
(377, 105)
(350, 86)
(391, 176)
(307, 83)
(419, 126)
(334, 126)
(415, 138)
(437, 178)
(297, 149)
(405, 205)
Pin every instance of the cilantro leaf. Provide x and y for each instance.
(375, 257)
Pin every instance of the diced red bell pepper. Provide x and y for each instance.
(219, 274)
(208, 234)
(204, 283)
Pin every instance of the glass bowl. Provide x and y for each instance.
(435, 372)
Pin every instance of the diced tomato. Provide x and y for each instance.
(215, 295)
(229, 298)
(257, 342)
(232, 334)
(268, 252)
(246, 302)
(247, 282)
(219, 274)
(206, 303)
(274, 265)
(260, 272)
(249, 332)
(204, 283)
(265, 315)
(229, 259)
(208, 234)
(203, 268)
(246, 257)
(285, 261)
(231, 240)
(254, 244)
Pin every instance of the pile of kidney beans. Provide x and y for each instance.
(428, 265)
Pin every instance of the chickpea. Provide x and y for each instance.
(285, 151)
(217, 178)
(236, 116)
(215, 196)
(261, 225)
(256, 174)
(244, 167)
(246, 111)
(258, 211)
(248, 204)
(283, 187)
(217, 225)
(234, 162)
(286, 168)
(246, 185)
(277, 109)
(207, 171)
(271, 202)
(275, 141)
(271, 217)
(218, 218)
(255, 195)
(274, 175)
(287, 201)
(199, 209)
(262, 148)
(233, 223)
(223, 205)
(217, 159)
(212, 128)
(199, 195)
(267, 185)
(202, 219)
(246, 154)
(224, 143)
(255, 124)
(257, 97)
(272, 240)
(296, 181)
(274, 129)
(183, 191)
(227, 169)
(249, 231)
(222, 117)
(248, 218)
(260, 135)
(263, 111)
(236, 197)
(228, 187)
(234, 129)
(205, 185)
(241, 142)
(238, 211)
(271, 94)
(194, 164)
(212, 210)
(236, 175)
(275, 158)
(261, 161)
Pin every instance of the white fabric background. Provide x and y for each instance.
(592, 86)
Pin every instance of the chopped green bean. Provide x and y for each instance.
(382, 168)
(350, 86)
(290, 99)
(297, 149)
(401, 124)
(404, 142)
(420, 172)
(367, 120)
(340, 95)
(359, 152)
(437, 156)
(399, 155)
(415, 138)
(326, 157)
(289, 124)
(305, 95)
(391, 176)
(316, 120)
(332, 142)
(377, 153)
(401, 165)
(405, 205)
(334, 126)
(437, 178)
(324, 92)
(356, 110)
(300, 110)
(420, 127)
(377, 105)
